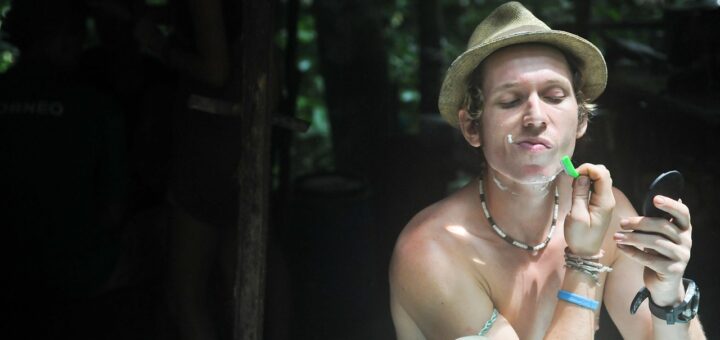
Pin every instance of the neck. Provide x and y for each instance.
(522, 211)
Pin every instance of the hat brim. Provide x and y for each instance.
(592, 66)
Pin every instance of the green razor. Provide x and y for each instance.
(569, 167)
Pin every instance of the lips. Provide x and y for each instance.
(534, 143)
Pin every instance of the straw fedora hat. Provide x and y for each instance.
(512, 24)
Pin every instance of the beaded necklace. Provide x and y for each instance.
(534, 249)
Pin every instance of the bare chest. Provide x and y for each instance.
(524, 290)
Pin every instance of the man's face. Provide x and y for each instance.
(528, 94)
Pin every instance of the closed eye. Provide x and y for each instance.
(510, 104)
(555, 99)
(555, 94)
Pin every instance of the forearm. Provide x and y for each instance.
(571, 321)
(678, 331)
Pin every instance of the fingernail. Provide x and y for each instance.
(659, 200)
(624, 221)
(619, 236)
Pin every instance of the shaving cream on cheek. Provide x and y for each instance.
(509, 138)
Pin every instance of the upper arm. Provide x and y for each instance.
(624, 282)
(431, 297)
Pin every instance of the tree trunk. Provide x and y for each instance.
(252, 75)
(353, 62)
(361, 103)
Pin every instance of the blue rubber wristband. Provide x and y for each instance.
(578, 300)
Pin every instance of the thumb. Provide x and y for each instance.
(580, 197)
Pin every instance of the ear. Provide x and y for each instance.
(470, 128)
(582, 127)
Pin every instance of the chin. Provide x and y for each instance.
(538, 180)
(536, 174)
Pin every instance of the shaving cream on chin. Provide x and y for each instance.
(540, 182)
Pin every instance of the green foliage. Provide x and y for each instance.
(610, 11)
(403, 51)
(311, 151)
(156, 3)
(6, 61)
(617, 11)
(8, 52)
(4, 8)
(7, 58)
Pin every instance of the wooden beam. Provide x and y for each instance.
(255, 54)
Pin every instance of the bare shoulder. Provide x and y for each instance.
(422, 253)
(430, 286)
(623, 206)
(423, 245)
(426, 228)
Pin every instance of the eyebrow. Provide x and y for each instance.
(505, 86)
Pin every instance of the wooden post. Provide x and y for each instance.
(253, 56)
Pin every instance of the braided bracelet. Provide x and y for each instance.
(588, 265)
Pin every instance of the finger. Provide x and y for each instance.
(661, 245)
(580, 198)
(659, 226)
(679, 211)
(602, 184)
(655, 262)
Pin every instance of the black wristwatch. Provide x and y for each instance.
(682, 313)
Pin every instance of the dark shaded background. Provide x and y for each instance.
(370, 71)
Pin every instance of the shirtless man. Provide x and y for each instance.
(520, 93)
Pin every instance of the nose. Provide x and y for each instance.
(534, 116)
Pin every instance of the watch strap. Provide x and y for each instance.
(682, 313)
(643, 294)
